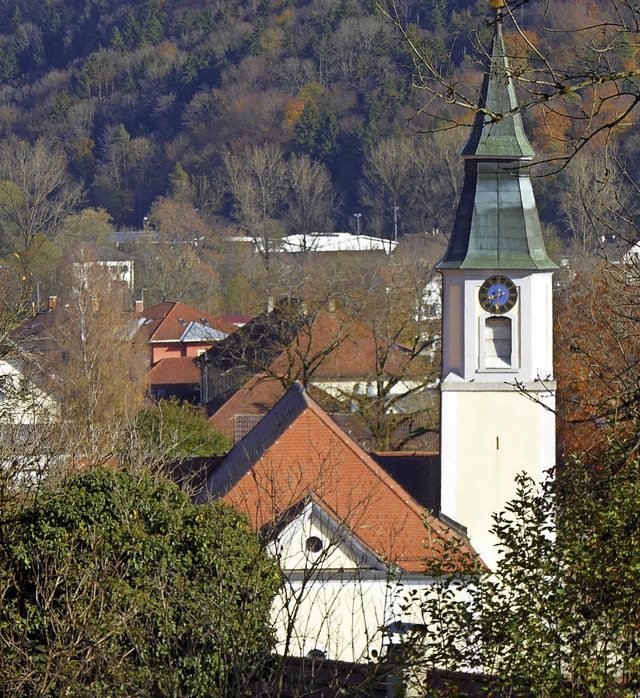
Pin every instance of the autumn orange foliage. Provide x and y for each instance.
(598, 363)
(293, 109)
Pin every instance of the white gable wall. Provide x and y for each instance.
(341, 599)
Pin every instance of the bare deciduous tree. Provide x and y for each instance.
(311, 199)
(603, 204)
(181, 265)
(417, 175)
(36, 192)
(257, 180)
(98, 368)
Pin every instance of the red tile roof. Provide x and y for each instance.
(176, 371)
(256, 397)
(329, 345)
(334, 346)
(297, 451)
(167, 321)
(252, 401)
(236, 319)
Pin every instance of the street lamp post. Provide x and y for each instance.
(357, 216)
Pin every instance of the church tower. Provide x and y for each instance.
(497, 382)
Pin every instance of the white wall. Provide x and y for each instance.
(22, 402)
(340, 600)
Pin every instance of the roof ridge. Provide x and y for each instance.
(186, 315)
(368, 460)
(254, 444)
(161, 319)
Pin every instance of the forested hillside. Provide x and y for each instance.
(131, 88)
(170, 111)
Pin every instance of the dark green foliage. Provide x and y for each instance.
(60, 107)
(125, 62)
(436, 14)
(307, 128)
(152, 29)
(599, 519)
(175, 430)
(178, 181)
(131, 30)
(115, 584)
(8, 65)
(117, 42)
(142, 63)
(16, 17)
(561, 615)
(317, 133)
(200, 68)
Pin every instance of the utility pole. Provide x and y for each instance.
(395, 223)
(357, 216)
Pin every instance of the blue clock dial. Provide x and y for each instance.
(498, 295)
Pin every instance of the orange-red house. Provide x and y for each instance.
(176, 334)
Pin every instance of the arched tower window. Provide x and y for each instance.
(498, 342)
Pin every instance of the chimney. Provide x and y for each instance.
(139, 307)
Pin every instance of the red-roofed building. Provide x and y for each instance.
(352, 543)
(362, 373)
(176, 333)
(178, 378)
(175, 330)
(246, 407)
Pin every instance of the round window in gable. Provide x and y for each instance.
(314, 544)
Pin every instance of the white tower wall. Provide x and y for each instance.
(495, 422)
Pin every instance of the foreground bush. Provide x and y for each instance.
(115, 584)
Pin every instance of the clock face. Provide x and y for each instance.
(498, 295)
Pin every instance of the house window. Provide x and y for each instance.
(498, 342)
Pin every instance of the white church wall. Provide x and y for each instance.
(489, 435)
(348, 615)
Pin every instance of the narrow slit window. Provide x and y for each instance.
(497, 342)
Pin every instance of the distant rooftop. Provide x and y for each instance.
(335, 242)
(324, 242)
(122, 236)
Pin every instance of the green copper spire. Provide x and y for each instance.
(497, 225)
(505, 138)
